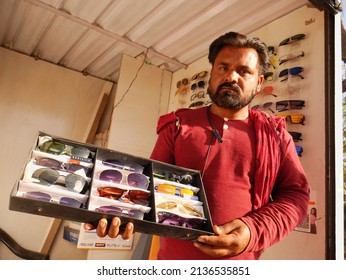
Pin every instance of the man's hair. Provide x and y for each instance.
(235, 39)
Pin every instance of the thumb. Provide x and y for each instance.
(226, 228)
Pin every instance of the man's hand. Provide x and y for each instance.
(114, 228)
(231, 239)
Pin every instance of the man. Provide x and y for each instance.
(256, 188)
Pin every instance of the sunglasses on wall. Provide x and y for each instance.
(135, 196)
(297, 136)
(200, 84)
(182, 82)
(290, 57)
(264, 106)
(201, 74)
(299, 150)
(269, 76)
(295, 71)
(73, 182)
(132, 179)
(293, 39)
(58, 148)
(293, 118)
(67, 201)
(172, 219)
(200, 94)
(284, 105)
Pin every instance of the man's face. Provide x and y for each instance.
(234, 78)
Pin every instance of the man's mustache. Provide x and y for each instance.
(230, 86)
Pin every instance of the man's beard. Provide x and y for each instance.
(230, 98)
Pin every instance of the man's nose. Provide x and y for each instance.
(231, 77)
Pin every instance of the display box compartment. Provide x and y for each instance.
(173, 206)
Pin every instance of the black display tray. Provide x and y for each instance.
(148, 225)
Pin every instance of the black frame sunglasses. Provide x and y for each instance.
(293, 39)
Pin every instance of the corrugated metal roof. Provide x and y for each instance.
(90, 36)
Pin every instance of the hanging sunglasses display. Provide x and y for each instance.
(264, 106)
(299, 150)
(295, 71)
(292, 39)
(297, 136)
(284, 105)
(290, 56)
(293, 118)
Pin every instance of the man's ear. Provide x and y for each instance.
(259, 83)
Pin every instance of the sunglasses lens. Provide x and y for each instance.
(283, 73)
(137, 180)
(112, 176)
(75, 182)
(38, 195)
(110, 192)
(68, 201)
(48, 162)
(139, 197)
(281, 105)
(53, 147)
(80, 152)
(296, 104)
(46, 176)
(167, 205)
(296, 70)
(193, 86)
(165, 188)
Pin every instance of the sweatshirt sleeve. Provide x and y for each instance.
(273, 221)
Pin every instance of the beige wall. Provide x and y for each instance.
(36, 96)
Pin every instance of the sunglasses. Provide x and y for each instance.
(199, 84)
(55, 164)
(201, 74)
(293, 118)
(73, 182)
(170, 189)
(196, 104)
(130, 166)
(295, 71)
(186, 208)
(268, 90)
(200, 94)
(290, 57)
(296, 136)
(67, 201)
(292, 39)
(132, 179)
(58, 148)
(136, 196)
(122, 211)
(167, 218)
(186, 179)
(284, 105)
(269, 76)
(183, 82)
(271, 50)
(299, 150)
(264, 106)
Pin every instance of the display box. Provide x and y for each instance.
(80, 182)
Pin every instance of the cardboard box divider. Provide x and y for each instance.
(146, 225)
